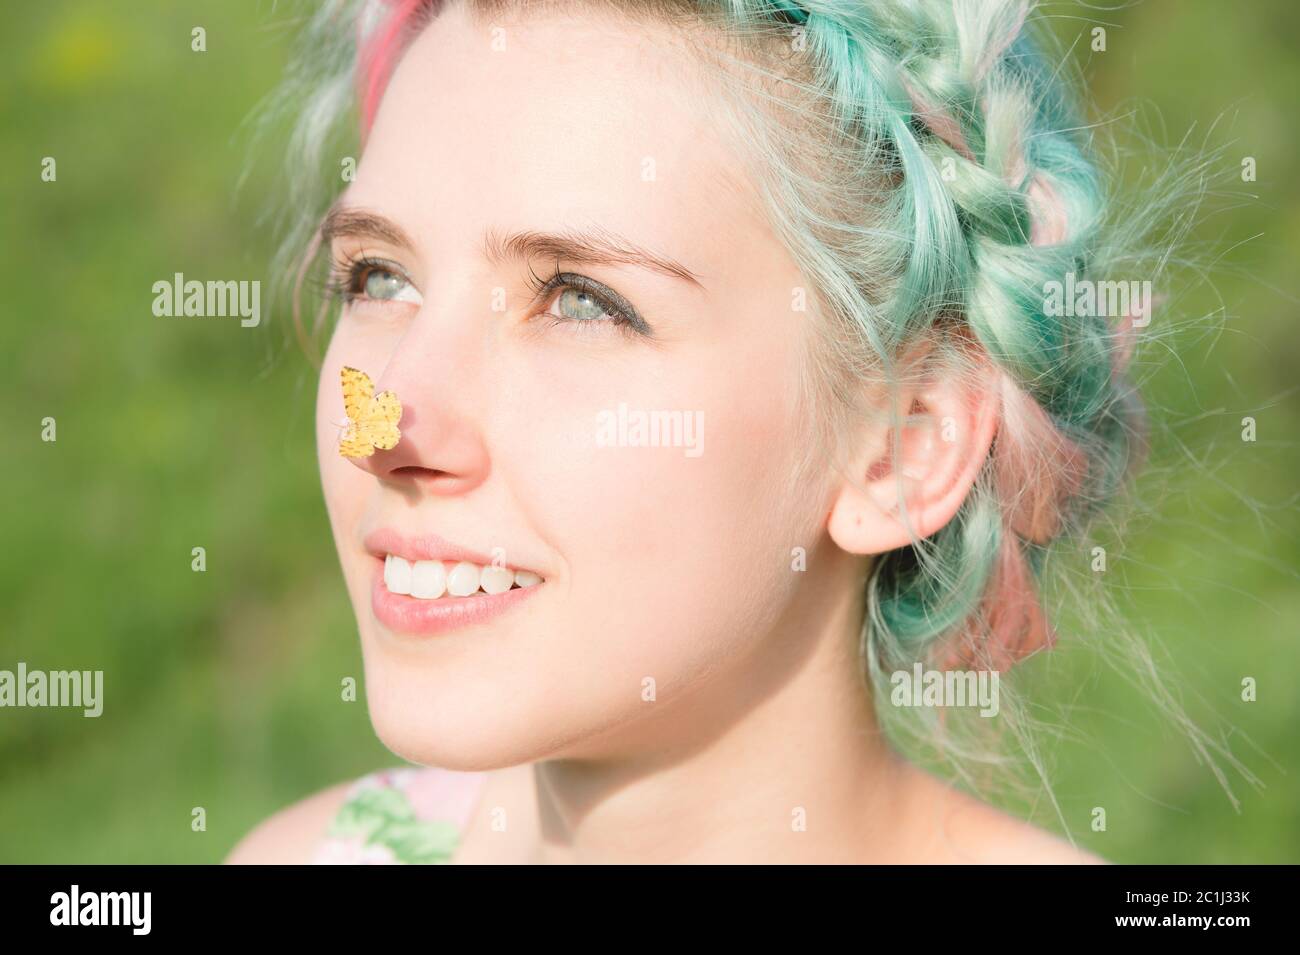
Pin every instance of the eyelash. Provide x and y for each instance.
(348, 277)
(623, 315)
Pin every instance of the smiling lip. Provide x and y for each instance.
(424, 547)
(412, 615)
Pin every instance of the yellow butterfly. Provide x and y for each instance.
(372, 418)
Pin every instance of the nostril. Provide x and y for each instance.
(430, 478)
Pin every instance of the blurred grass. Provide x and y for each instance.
(223, 687)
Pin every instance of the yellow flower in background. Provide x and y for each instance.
(77, 52)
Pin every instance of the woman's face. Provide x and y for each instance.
(662, 566)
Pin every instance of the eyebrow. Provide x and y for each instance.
(343, 222)
(596, 246)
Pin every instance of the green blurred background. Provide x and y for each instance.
(222, 687)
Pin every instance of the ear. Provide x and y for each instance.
(905, 484)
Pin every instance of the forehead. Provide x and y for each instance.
(555, 119)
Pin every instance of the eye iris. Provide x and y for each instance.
(588, 307)
(382, 284)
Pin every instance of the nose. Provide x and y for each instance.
(441, 449)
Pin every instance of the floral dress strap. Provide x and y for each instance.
(403, 815)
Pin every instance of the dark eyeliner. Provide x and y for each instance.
(347, 276)
(623, 310)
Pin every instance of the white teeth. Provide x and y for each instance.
(496, 580)
(431, 579)
(428, 579)
(397, 575)
(462, 580)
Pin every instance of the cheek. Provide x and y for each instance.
(672, 555)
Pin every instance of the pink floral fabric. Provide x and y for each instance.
(407, 815)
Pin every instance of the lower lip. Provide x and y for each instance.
(427, 617)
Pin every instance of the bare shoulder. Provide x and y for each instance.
(1013, 841)
(968, 830)
(289, 836)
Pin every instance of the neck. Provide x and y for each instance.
(779, 759)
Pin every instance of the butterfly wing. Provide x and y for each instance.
(357, 392)
(372, 419)
(379, 425)
(354, 445)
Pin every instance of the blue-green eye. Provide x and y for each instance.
(584, 301)
(373, 280)
(582, 306)
(382, 284)
(385, 284)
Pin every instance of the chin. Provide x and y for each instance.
(467, 725)
(461, 741)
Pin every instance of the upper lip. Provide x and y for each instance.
(387, 541)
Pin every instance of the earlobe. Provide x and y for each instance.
(906, 485)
